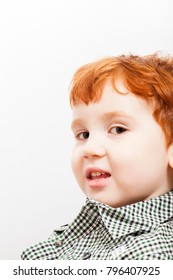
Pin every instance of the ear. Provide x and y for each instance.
(170, 155)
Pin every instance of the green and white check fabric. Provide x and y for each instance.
(140, 231)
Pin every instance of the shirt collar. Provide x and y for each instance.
(140, 216)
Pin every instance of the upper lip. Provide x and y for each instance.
(94, 169)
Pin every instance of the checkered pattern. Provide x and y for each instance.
(139, 231)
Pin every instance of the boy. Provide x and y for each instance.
(123, 162)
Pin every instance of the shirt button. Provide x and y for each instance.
(86, 256)
(58, 243)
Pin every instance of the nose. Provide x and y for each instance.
(93, 148)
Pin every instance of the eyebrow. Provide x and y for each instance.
(105, 117)
(113, 114)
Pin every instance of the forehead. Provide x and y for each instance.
(111, 102)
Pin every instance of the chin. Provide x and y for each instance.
(104, 201)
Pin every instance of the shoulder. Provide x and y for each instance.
(45, 249)
(158, 256)
(158, 244)
(154, 245)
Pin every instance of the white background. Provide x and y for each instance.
(42, 43)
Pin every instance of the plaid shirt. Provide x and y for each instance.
(140, 231)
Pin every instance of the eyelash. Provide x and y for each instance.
(80, 133)
(122, 130)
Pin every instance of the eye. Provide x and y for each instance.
(118, 130)
(82, 135)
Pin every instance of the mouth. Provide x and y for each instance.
(97, 177)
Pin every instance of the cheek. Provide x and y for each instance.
(74, 161)
(141, 160)
(75, 164)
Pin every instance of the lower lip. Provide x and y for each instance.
(98, 183)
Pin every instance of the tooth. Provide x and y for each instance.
(97, 173)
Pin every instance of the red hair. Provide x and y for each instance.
(149, 77)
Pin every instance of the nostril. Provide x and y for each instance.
(94, 151)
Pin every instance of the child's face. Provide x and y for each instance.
(119, 137)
